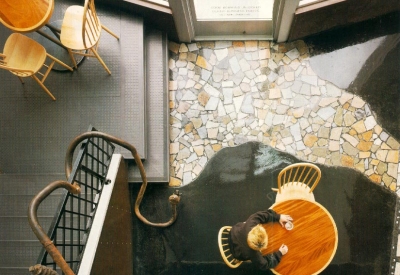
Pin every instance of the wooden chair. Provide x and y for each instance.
(224, 247)
(25, 57)
(80, 32)
(297, 181)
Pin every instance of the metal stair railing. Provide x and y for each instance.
(64, 244)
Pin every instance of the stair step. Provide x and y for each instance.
(133, 87)
(15, 270)
(17, 228)
(17, 205)
(19, 253)
(157, 110)
(27, 184)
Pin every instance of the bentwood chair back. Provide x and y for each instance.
(297, 181)
(81, 31)
(224, 248)
(25, 57)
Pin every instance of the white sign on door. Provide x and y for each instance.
(229, 10)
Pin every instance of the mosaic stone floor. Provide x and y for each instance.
(226, 93)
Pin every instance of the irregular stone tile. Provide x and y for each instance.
(357, 102)
(297, 113)
(364, 145)
(184, 153)
(334, 145)
(221, 109)
(244, 65)
(347, 161)
(174, 182)
(203, 98)
(205, 75)
(393, 156)
(336, 133)
(310, 79)
(189, 95)
(384, 136)
(359, 126)
(349, 119)
(278, 119)
(349, 149)
(251, 46)
(293, 54)
(181, 63)
(212, 104)
(247, 106)
(272, 65)
(203, 63)
(326, 112)
(289, 76)
(275, 94)
(393, 144)
(221, 54)
(375, 178)
(309, 140)
(332, 90)
(352, 140)
(234, 65)
(250, 74)
(327, 101)
(392, 169)
(183, 107)
(217, 74)
(381, 155)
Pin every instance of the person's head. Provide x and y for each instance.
(257, 239)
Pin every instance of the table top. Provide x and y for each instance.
(25, 15)
(312, 242)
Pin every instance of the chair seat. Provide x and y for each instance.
(71, 30)
(296, 190)
(25, 54)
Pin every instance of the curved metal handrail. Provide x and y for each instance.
(75, 189)
(174, 199)
(38, 230)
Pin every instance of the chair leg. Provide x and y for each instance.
(43, 87)
(60, 62)
(71, 55)
(22, 81)
(100, 60)
(109, 31)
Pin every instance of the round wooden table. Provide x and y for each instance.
(312, 242)
(25, 15)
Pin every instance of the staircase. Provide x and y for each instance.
(19, 248)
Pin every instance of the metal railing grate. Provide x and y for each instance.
(73, 218)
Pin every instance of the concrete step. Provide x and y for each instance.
(157, 110)
(27, 184)
(17, 205)
(17, 228)
(19, 253)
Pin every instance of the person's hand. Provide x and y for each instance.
(283, 249)
(284, 219)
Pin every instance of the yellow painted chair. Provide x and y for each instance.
(81, 30)
(24, 57)
(297, 181)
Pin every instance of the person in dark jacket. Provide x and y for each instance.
(247, 239)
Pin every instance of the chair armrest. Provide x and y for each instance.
(275, 189)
